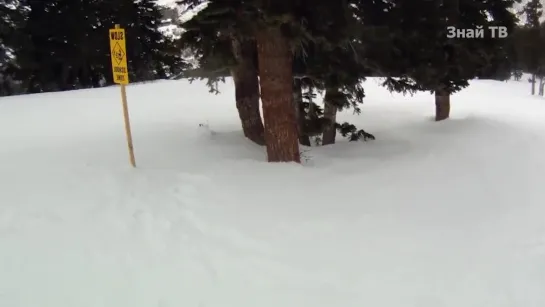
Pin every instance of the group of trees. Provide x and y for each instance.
(63, 44)
(528, 41)
(282, 54)
(286, 51)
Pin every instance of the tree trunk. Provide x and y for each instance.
(95, 77)
(63, 82)
(533, 81)
(330, 114)
(304, 139)
(84, 76)
(246, 82)
(541, 86)
(442, 104)
(276, 80)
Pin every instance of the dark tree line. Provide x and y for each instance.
(60, 45)
(528, 41)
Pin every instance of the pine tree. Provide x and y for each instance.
(444, 65)
(7, 28)
(73, 52)
(267, 23)
(56, 53)
(216, 19)
(150, 54)
(221, 48)
(533, 11)
(11, 18)
(247, 92)
(335, 68)
(272, 21)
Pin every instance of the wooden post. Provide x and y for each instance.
(127, 124)
(127, 120)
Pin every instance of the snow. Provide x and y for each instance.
(167, 3)
(428, 215)
(171, 31)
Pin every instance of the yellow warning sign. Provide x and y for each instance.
(119, 56)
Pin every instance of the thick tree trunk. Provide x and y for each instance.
(276, 80)
(330, 114)
(442, 104)
(533, 81)
(304, 139)
(246, 81)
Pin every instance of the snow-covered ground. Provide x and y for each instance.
(446, 214)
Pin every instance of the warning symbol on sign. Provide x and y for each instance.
(118, 54)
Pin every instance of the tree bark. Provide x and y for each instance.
(246, 81)
(276, 80)
(533, 81)
(541, 86)
(304, 139)
(330, 114)
(442, 104)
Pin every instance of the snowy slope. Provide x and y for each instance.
(428, 215)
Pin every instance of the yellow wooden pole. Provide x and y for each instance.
(127, 120)
(127, 125)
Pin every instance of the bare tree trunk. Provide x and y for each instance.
(533, 81)
(245, 77)
(276, 80)
(330, 114)
(442, 96)
(304, 139)
(442, 104)
(541, 86)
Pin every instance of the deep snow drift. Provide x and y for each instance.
(428, 215)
